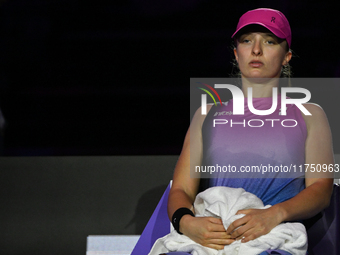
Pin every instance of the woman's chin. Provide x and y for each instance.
(259, 79)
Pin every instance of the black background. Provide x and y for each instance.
(111, 77)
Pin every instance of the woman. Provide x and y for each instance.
(263, 39)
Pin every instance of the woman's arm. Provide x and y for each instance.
(184, 188)
(207, 231)
(310, 201)
(319, 186)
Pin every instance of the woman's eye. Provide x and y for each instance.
(270, 42)
(246, 40)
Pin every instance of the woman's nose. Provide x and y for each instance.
(257, 50)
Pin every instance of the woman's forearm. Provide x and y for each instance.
(308, 202)
(177, 199)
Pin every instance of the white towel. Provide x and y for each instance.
(224, 202)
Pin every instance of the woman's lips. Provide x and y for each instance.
(256, 64)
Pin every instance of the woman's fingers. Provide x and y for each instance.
(219, 244)
(233, 228)
(240, 231)
(217, 240)
(215, 220)
(207, 231)
(251, 234)
(214, 235)
(215, 225)
(255, 223)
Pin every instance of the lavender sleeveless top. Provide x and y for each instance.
(249, 141)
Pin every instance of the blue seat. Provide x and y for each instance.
(159, 225)
(323, 230)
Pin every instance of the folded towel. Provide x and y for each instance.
(224, 202)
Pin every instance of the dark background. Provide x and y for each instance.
(111, 77)
(95, 92)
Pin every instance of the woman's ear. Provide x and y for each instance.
(287, 58)
(236, 56)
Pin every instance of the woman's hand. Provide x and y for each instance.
(255, 223)
(207, 231)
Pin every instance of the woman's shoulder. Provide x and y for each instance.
(317, 118)
(312, 107)
(315, 110)
(199, 116)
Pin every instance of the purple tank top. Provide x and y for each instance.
(273, 143)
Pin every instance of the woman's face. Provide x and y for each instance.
(260, 54)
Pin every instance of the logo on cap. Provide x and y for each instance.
(273, 20)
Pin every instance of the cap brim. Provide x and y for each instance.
(275, 31)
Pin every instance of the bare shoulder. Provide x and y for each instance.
(199, 117)
(317, 118)
(313, 108)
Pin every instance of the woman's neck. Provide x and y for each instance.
(260, 87)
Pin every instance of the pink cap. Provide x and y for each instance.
(271, 19)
